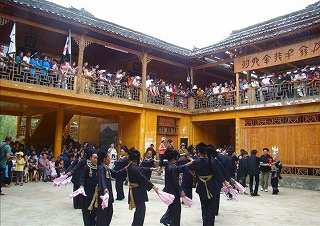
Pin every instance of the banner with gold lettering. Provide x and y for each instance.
(283, 55)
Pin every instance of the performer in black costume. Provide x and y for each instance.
(104, 182)
(75, 169)
(138, 187)
(148, 162)
(207, 174)
(188, 176)
(89, 181)
(118, 165)
(173, 214)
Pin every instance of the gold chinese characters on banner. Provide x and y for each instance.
(283, 55)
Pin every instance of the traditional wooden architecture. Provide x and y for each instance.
(254, 118)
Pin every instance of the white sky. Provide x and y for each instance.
(187, 23)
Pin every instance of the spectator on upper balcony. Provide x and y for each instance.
(45, 65)
(137, 82)
(3, 58)
(254, 83)
(215, 89)
(200, 92)
(118, 76)
(36, 64)
(266, 82)
(65, 66)
(148, 81)
(19, 58)
(240, 83)
(207, 92)
(26, 60)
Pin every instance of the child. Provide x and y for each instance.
(52, 167)
(275, 174)
(20, 163)
(33, 167)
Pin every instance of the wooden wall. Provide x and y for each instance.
(298, 144)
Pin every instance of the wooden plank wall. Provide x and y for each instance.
(299, 144)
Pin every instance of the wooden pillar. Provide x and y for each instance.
(142, 132)
(238, 135)
(19, 119)
(58, 133)
(82, 43)
(144, 60)
(28, 129)
(191, 76)
(237, 90)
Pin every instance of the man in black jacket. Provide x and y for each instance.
(253, 163)
(118, 165)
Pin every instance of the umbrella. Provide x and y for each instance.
(165, 197)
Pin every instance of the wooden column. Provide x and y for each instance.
(191, 99)
(28, 129)
(82, 43)
(19, 119)
(238, 135)
(191, 76)
(142, 147)
(237, 90)
(144, 61)
(58, 133)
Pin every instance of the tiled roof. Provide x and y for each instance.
(83, 17)
(291, 22)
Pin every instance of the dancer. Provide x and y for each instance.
(148, 162)
(118, 165)
(138, 186)
(89, 181)
(104, 216)
(173, 214)
(208, 176)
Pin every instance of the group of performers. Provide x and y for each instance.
(201, 170)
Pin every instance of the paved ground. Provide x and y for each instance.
(39, 203)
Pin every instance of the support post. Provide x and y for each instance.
(19, 119)
(237, 90)
(58, 133)
(238, 134)
(28, 129)
(144, 62)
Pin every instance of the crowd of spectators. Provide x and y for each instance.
(287, 84)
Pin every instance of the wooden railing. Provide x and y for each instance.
(301, 170)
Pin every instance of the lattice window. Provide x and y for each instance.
(167, 125)
(278, 120)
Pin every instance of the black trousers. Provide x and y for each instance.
(187, 190)
(207, 209)
(104, 216)
(173, 214)
(274, 184)
(89, 217)
(217, 201)
(256, 186)
(119, 188)
(77, 201)
(2, 171)
(139, 214)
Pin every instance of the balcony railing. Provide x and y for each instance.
(104, 87)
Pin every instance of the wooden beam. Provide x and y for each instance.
(167, 61)
(213, 64)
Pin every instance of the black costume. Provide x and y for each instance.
(89, 181)
(138, 185)
(208, 176)
(253, 163)
(173, 214)
(242, 171)
(147, 163)
(75, 169)
(118, 165)
(104, 182)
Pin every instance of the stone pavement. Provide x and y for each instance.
(39, 203)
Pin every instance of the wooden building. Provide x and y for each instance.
(250, 119)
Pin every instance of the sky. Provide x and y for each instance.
(187, 23)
